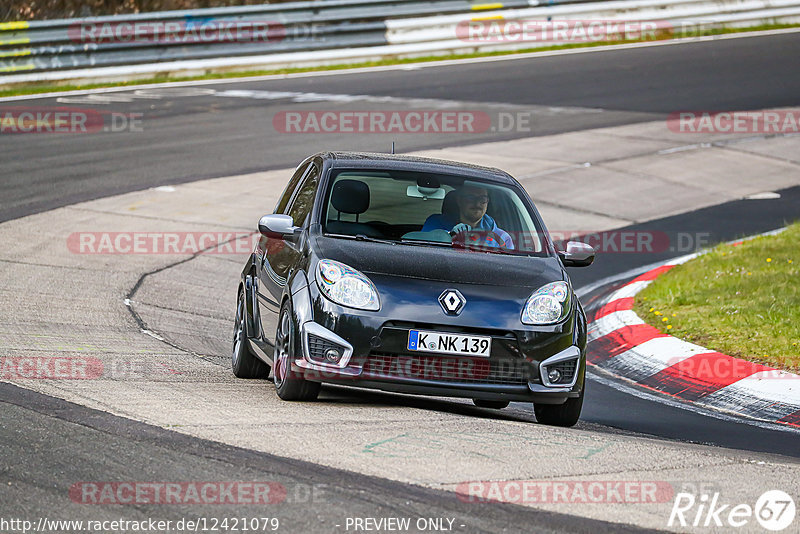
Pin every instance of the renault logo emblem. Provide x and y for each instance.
(452, 301)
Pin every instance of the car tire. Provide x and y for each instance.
(495, 404)
(244, 363)
(566, 414)
(289, 387)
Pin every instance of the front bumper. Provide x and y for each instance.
(375, 355)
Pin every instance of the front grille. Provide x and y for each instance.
(443, 368)
(317, 346)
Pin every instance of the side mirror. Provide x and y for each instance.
(577, 254)
(277, 226)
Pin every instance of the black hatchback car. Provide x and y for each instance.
(417, 276)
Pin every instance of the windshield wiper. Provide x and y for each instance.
(425, 242)
(362, 237)
(489, 250)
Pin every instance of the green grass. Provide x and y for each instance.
(742, 300)
(47, 87)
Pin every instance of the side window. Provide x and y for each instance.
(304, 199)
(290, 188)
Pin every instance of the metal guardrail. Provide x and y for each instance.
(216, 32)
(676, 17)
(319, 32)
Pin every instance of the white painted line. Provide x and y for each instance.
(683, 259)
(95, 99)
(683, 148)
(306, 97)
(766, 195)
(152, 334)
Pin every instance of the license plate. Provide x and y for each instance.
(443, 343)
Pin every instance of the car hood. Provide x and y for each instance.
(459, 266)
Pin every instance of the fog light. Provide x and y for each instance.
(333, 356)
(554, 375)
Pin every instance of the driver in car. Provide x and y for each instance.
(472, 201)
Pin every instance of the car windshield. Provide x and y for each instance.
(417, 208)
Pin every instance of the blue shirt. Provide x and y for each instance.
(443, 222)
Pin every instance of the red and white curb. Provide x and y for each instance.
(621, 343)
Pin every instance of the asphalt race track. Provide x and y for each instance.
(207, 136)
(228, 129)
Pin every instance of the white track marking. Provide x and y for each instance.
(651, 357)
(612, 322)
(775, 386)
(310, 97)
(97, 99)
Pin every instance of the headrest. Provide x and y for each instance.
(350, 196)
(450, 204)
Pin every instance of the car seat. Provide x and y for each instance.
(350, 197)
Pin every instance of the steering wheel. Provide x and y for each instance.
(478, 239)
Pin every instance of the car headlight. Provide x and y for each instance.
(548, 304)
(346, 286)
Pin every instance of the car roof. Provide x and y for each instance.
(373, 160)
